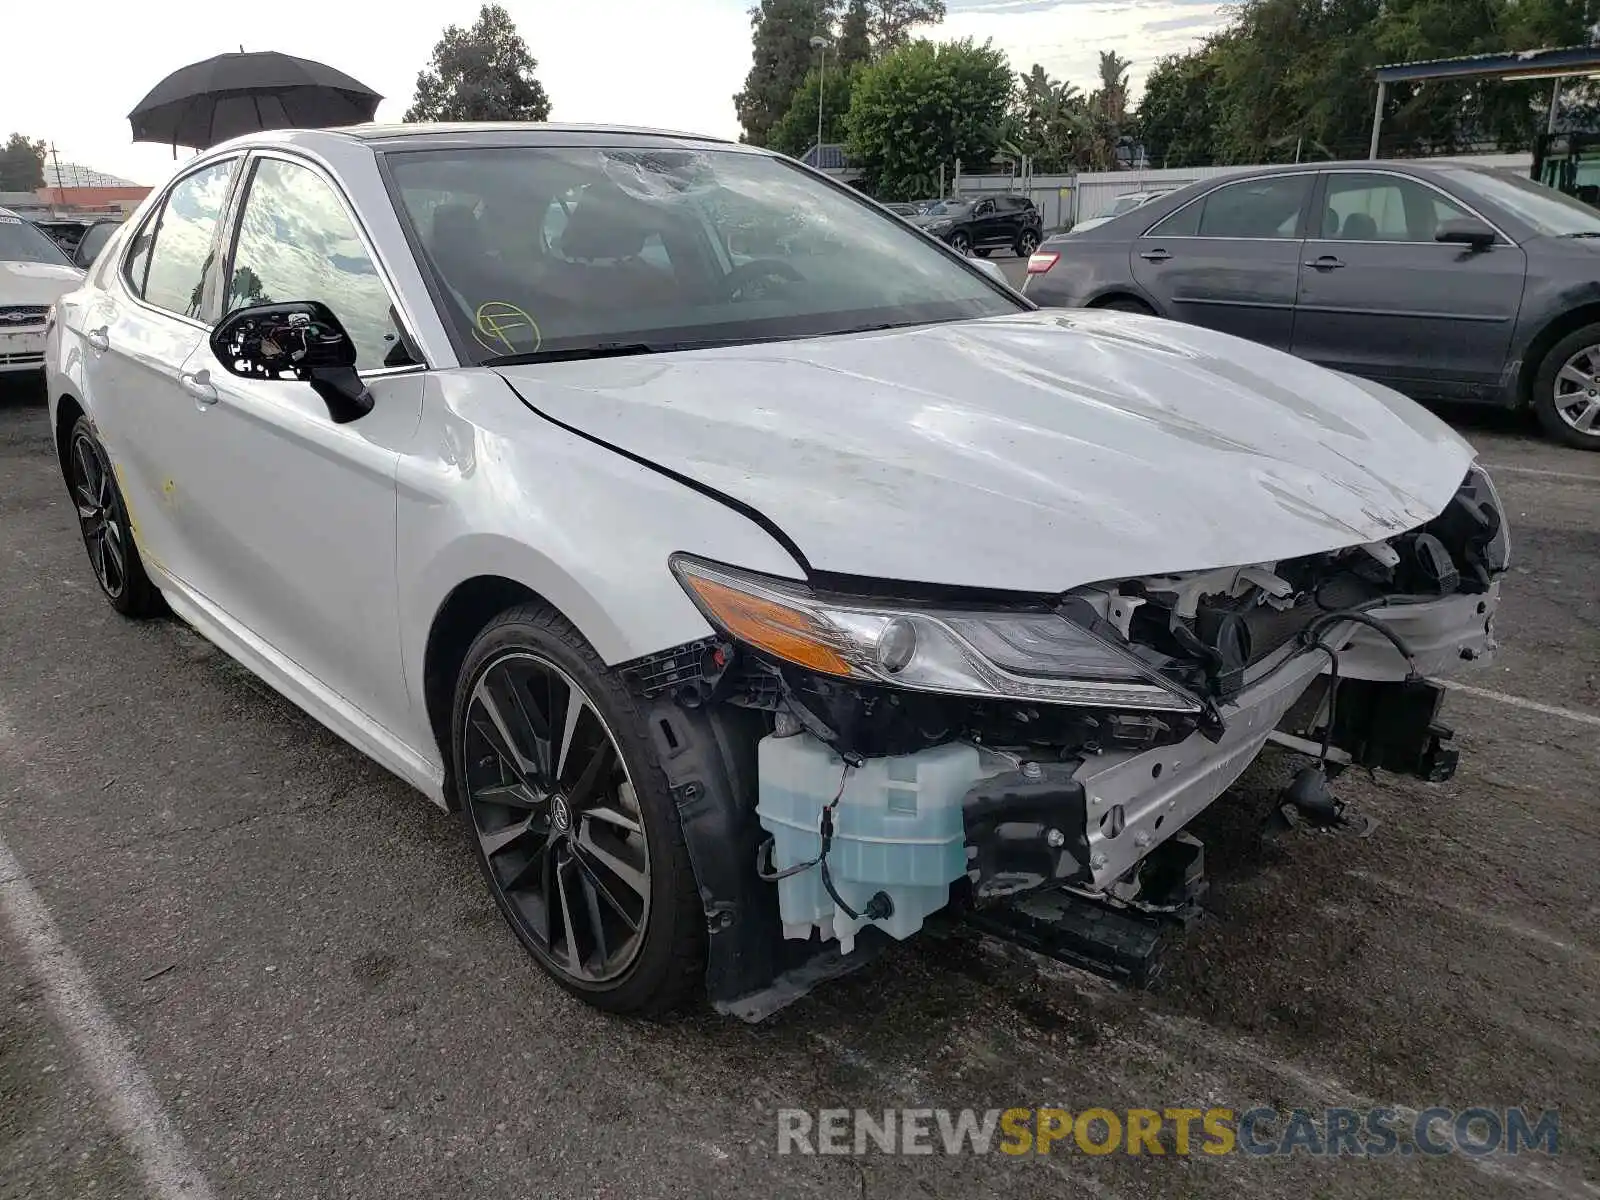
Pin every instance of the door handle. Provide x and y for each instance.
(1326, 263)
(98, 339)
(198, 384)
(1154, 255)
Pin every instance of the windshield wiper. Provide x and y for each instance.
(573, 353)
(624, 349)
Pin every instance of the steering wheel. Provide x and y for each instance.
(745, 274)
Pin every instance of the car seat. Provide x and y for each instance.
(1358, 227)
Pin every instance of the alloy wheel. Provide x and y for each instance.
(961, 243)
(1027, 244)
(95, 498)
(557, 818)
(1577, 391)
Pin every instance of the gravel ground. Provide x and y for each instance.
(297, 951)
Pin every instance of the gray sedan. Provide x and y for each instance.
(1443, 281)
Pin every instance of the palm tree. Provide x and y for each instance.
(1051, 117)
(1113, 86)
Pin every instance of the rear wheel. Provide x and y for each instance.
(1566, 391)
(573, 824)
(1128, 304)
(103, 522)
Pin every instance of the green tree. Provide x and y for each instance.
(855, 34)
(21, 165)
(1049, 121)
(482, 73)
(892, 21)
(781, 55)
(924, 105)
(1111, 99)
(1181, 108)
(1288, 73)
(797, 129)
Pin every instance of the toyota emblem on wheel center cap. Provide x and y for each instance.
(560, 814)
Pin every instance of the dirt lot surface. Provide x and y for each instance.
(297, 955)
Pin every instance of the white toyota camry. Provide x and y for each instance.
(759, 578)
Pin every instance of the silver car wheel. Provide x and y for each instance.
(1577, 391)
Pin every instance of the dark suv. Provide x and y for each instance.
(984, 224)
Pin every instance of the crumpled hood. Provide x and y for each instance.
(36, 283)
(1033, 453)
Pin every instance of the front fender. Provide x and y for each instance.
(490, 488)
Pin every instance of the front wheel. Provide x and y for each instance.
(960, 242)
(1026, 244)
(1566, 391)
(571, 818)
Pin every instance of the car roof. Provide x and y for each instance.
(1415, 166)
(485, 133)
(6, 212)
(376, 132)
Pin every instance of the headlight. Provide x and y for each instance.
(1038, 656)
(1479, 486)
(938, 226)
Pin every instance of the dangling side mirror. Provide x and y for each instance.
(302, 341)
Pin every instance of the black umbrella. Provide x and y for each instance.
(209, 102)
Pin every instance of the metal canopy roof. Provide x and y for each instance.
(1550, 63)
(1520, 64)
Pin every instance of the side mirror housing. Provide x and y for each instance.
(1463, 231)
(301, 341)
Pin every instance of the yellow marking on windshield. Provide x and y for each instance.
(497, 320)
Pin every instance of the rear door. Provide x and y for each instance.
(140, 330)
(1014, 210)
(1230, 259)
(1380, 298)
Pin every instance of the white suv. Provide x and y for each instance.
(33, 272)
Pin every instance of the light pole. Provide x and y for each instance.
(821, 43)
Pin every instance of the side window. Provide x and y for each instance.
(1183, 223)
(1256, 208)
(297, 242)
(1384, 208)
(173, 255)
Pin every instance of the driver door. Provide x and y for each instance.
(986, 223)
(291, 517)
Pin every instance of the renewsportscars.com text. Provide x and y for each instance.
(1328, 1132)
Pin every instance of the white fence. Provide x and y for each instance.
(1064, 200)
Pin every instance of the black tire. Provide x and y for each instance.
(960, 242)
(1027, 243)
(1550, 389)
(984, 252)
(1128, 304)
(668, 963)
(103, 523)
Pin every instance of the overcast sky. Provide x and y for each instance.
(668, 63)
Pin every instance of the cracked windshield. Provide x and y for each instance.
(554, 250)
